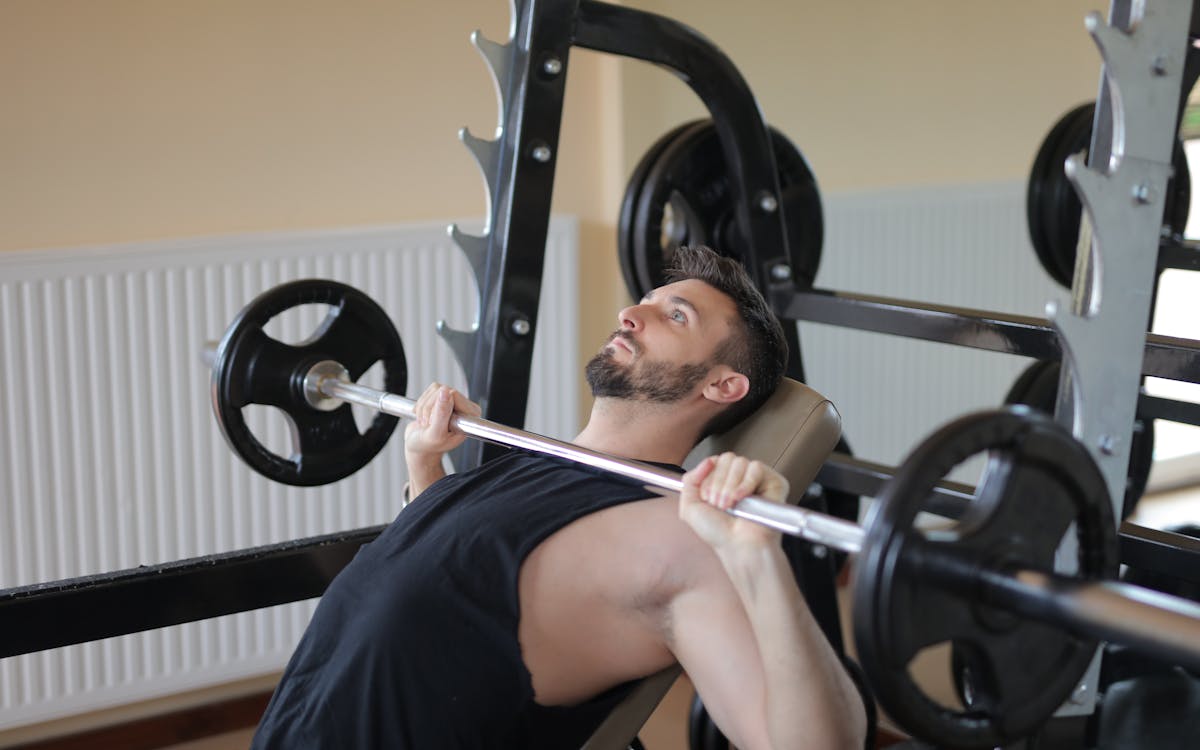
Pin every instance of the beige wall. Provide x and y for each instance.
(137, 119)
(879, 93)
(130, 119)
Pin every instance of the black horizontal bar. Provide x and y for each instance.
(1171, 357)
(1156, 407)
(1181, 254)
(1014, 334)
(77, 610)
(859, 477)
(1166, 552)
(1165, 356)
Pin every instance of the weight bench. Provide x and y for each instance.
(794, 432)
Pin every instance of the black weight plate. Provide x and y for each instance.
(1037, 386)
(1179, 192)
(1053, 208)
(1064, 207)
(1036, 197)
(1023, 385)
(1141, 460)
(685, 197)
(653, 234)
(914, 589)
(637, 179)
(250, 367)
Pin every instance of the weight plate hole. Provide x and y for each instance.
(299, 324)
(272, 427)
(930, 668)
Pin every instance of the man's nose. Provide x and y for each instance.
(630, 318)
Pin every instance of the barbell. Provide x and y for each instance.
(988, 585)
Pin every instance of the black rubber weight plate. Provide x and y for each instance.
(681, 194)
(625, 244)
(1053, 209)
(250, 367)
(914, 590)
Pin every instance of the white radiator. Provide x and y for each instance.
(110, 456)
(960, 245)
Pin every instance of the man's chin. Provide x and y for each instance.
(607, 388)
(610, 390)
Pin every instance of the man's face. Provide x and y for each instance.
(665, 345)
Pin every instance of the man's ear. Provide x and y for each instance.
(726, 386)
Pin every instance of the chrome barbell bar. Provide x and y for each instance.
(327, 383)
(1155, 623)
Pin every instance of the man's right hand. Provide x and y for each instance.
(717, 484)
(429, 436)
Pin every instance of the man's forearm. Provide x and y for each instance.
(423, 470)
(811, 700)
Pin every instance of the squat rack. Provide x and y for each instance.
(1103, 340)
(1100, 335)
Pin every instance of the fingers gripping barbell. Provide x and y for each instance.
(988, 584)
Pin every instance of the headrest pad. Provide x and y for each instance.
(794, 432)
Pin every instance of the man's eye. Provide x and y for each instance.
(678, 315)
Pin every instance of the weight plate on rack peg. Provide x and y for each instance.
(629, 202)
(1052, 207)
(680, 194)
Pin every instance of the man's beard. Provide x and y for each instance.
(658, 382)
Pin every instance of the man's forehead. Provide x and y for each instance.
(700, 294)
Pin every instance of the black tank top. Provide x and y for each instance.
(414, 644)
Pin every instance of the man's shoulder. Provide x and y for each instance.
(655, 534)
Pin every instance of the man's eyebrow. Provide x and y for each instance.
(674, 299)
(684, 302)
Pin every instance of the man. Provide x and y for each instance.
(511, 606)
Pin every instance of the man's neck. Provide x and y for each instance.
(639, 430)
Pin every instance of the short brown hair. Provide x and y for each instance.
(756, 347)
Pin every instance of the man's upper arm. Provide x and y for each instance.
(712, 638)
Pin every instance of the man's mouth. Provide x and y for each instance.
(621, 340)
